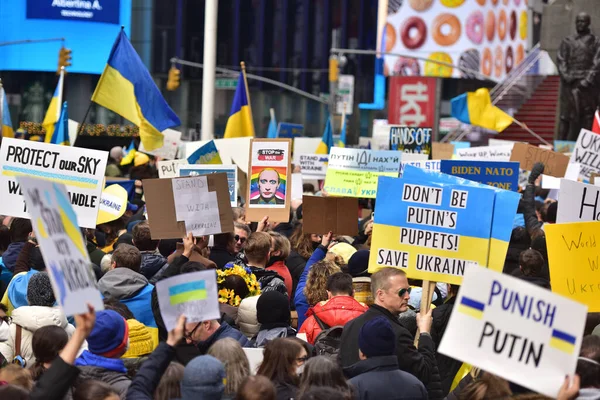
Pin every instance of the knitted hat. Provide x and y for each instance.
(140, 340)
(273, 307)
(39, 290)
(126, 238)
(343, 250)
(359, 263)
(110, 334)
(203, 378)
(376, 338)
(36, 261)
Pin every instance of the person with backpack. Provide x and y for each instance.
(336, 311)
(273, 314)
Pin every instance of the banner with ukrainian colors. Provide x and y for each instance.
(504, 210)
(207, 154)
(430, 230)
(503, 175)
(354, 172)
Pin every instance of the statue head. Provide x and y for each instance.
(582, 23)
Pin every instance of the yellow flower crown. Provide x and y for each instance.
(228, 296)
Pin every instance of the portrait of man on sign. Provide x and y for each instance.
(265, 190)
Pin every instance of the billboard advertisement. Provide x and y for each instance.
(485, 36)
(89, 28)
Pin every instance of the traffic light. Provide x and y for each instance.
(174, 79)
(64, 59)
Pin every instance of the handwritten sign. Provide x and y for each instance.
(313, 166)
(193, 294)
(171, 143)
(196, 205)
(516, 330)
(574, 261)
(410, 140)
(81, 170)
(433, 165)
(587, 153)
(430, 230)
(442, 151)
(555, 164)
(578, 202)
(504, 175)
(354, 172)
(64, 250)
(230, 170)
(486, 153)
(168, 169)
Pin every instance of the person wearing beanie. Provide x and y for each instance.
(39, 312)
(107, 342)
(140, 346)
(358, 265)
(203, 378)
(273, 315)
(377, 375)
(341, 253)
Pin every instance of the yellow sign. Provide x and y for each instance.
(574, 258)
(113, 204)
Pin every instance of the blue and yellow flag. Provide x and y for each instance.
(61, 132)
(127, 88)
(327, 140)
(476, 108)
(54, 110)
(129, 155)
(342, 141)
(240, 122)
(7, 128)
(272, 132)
(207, 154)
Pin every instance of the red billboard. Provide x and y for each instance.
(412, 101)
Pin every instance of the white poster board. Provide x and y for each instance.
(64, 250)
(232, 151)
(196, 206)
(518, 331)
(297, 186)
(168, 168)
(578, 202)
(587, 153)
(305, 145)
(171, 143)
(485, 153)
(551, 182)
(81, 170)
(193, 294)
(312, 166)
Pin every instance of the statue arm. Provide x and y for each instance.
(561, 61)
(592, 75)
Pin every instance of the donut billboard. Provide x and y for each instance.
(485, 36)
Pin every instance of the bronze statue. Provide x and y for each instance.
(578, 62)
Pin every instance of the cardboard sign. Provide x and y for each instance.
(193, 295)
(504, 175)
(336, 214)
(578, 202)
(171, 143)
(81, 170)
(196, 206)
(433, 165)
(168, 169)
(269, 191)
(431, 231)
(442, 151)
(587, 153)
(486, 153)
(64, 250)
(160, 204)
(230, 170)
(354, 172)
(113, 204)
(312, 166)
(574, 259)
(410, 140)
(555, 164)
(518, 331)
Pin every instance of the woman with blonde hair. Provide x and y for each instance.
(316, 283)
(237, 368)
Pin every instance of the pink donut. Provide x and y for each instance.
(475, 27)
(517, 3)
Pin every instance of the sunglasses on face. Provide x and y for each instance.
(239, 239)
(402, 292)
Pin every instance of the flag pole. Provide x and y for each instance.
(61, 82)
(243, 65)
(1, 109)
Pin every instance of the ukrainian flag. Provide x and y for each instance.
(476, 108)
(189, 291)
(127, 88)
(327, 139)
(207, 154)
(61, 133)
(7, 128)
(53, 113)
(240, 122)
(342, 141)
(129, 154)
(471, 307)
(562, 341)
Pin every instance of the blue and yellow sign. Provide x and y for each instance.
(503, 175)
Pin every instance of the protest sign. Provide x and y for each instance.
(81, 170)
(430, 230)
(168, 151)
(551, 182)
(286, 130)
(196, 206)
(587, 153)
(168, 169)
(504, 175)
(113, 204)
(324, 214)
(230, 170)
(574, 259)
(460, 145)
(297, 188)
(354, 172)
(162, 215)
(193, 294)
(516, 330)
(500, 142)
(485, 153)
(312, 166)
(504, 210)
(305, 145)
(410, 140)
(381, 137)
(64, 250)
(564, 146)
(269, 191)
(578, 202)
(442, 151)
(232, 151)
(555, 164)
(430, 165)
(207, 154)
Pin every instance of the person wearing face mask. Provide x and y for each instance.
(282, 364)
(280, 251)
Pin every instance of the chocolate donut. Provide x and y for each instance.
(513, 25)
(490, 26)
(455, 29)
(469, 59)
(413, 24)
(509, 59)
